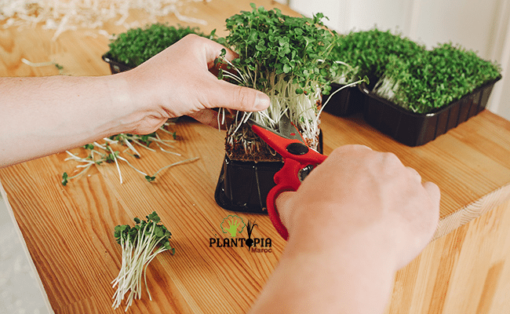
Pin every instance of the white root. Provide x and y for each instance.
(116, 163)
(87, 162)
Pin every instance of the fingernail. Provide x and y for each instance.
(261, 102)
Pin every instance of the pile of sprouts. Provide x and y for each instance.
(63, 15)
(287, 58)
(99, 153)
(140, 245)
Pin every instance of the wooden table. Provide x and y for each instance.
(69, 230)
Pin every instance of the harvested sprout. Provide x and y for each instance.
(99, 153)
(140, 245)
(66, 15)
(59, 67)
(288, 58)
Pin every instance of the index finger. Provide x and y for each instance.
(213, 51)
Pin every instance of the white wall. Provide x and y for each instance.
(482, 26)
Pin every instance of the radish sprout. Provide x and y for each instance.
(140, 245)
(99, 153)
(287, 58)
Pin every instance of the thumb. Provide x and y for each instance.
(284, 207)
(230, 96)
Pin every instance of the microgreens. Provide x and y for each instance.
(366, 53)
(137, 45)
(59, 67)
(434, 79)
(140, 245)
(97, 153)
(285, 57)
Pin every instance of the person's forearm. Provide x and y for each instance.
(318, 274)
(41, 116)
(58, 113)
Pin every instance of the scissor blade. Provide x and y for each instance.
(288, 129)
(252, 122)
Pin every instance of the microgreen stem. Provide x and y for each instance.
(38, 64)
(144, 146)
(140, 245)
(129, 164)
(132, 147)
(167, 151)
(175, 164)
(116, 163)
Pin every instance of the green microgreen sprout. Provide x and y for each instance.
(435, 79)
(138, 45)
(99, 153)
(65, 178)
(407, 74)
(140, 245)
(149, 178)
(288, 58)
(366, 53)
(59, 67)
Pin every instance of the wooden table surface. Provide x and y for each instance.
(69, 230)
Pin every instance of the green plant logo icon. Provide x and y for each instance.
(232, 224)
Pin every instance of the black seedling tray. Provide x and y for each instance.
(243, 186)
(115, 66)
(344, 103)
(414, 129)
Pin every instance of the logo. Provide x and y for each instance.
(233, 225)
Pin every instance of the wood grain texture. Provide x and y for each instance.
(69, 230)
(466, 271)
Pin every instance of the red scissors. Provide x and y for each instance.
(298, 160)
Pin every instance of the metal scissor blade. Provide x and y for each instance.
(252, 122)
(289, 130)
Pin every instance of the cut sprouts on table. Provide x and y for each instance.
(102, 152)
(63, 15)
(140, 245)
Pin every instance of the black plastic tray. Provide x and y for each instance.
(243, 186)
(344, 103)
(414, 129)
(115, 66)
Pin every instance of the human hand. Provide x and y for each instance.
(177, 82)
(366, 197)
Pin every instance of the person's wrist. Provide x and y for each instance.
(318, 226)
(130, 107)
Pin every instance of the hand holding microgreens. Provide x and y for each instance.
(99, 153)
(140, 245)
(288, 58)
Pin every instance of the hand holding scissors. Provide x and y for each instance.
(298, 159)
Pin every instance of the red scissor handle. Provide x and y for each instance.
(296, 156)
